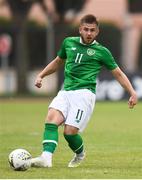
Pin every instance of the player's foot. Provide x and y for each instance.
(45, 160)
(77, 159)
(40, 162)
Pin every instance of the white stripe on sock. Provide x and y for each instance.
(46, 141)
(79, 147)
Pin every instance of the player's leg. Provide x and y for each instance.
(75, 142)
(50, 136)
(56, 116)
(50, 139)
(81, 107)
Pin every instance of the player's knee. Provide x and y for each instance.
(70, 130)
(54, 117)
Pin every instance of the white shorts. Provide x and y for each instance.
(76, 106)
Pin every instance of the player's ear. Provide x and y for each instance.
(97, 31)
(80, 30)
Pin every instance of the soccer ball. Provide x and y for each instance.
(19, 159)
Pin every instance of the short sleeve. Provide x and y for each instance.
(62, 52)
(108, 60)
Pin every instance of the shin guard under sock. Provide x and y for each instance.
(75, 142)
(50, 137)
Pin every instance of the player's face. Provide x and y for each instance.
(88, 32)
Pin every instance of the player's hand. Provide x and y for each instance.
(132, 101)
(38, 82)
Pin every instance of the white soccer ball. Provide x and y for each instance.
(19, 159)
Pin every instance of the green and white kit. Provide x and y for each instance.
(83, 63)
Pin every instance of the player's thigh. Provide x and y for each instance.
(57, 109)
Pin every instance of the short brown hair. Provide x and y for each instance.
(90, 19)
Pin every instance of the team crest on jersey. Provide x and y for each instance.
(90, 52)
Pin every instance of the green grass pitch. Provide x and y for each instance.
(113, 141)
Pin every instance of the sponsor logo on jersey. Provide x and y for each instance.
(90, 52)
(73, 48)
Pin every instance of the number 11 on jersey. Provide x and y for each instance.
(78, 58)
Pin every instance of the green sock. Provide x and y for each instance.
(50, 137)
(75, 142)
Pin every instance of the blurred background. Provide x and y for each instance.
(31, 32)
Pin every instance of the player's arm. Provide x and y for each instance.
(49, 69)
(125, 83)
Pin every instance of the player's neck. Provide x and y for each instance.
(81, 41)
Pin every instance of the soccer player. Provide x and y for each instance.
(82, 58)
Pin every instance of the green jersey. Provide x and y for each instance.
(83, 63)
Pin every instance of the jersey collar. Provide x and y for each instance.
(86, 44)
